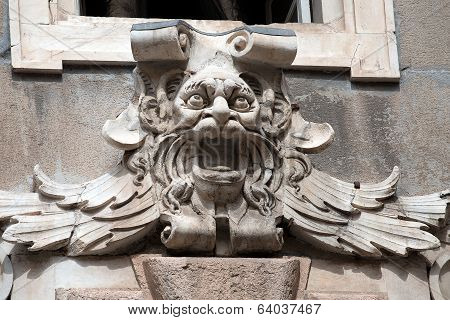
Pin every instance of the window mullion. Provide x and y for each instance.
(303, 11)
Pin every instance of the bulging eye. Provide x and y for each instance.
(196, 101)
(241, 104)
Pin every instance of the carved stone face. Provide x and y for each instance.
(218, 108)
(216, 169)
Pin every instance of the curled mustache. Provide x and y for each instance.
(169, 158)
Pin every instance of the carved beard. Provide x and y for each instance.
(218, 169)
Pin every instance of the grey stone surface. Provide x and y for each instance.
(423, 43)
(38, 276)
(2, 12)
(56, 121)
(4, 29)
(175, 278)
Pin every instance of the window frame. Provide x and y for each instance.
(47, 34)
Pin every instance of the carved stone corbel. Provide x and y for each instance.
(216, 152)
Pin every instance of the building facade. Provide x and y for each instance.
(54, 117)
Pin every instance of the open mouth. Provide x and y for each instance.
(220, 154)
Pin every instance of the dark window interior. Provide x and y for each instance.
(95, 8)
(248, 11)
(280, 11)
(252, 12)
(193, 9)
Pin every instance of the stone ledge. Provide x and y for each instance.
(101, 294)
(342, 295)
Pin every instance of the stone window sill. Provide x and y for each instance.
(47, 34)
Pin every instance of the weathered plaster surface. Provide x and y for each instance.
(2, 9)
(55, 121)
(4, 29)
(421, 31)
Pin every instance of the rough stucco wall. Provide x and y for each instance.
(422, 29)
(4, 27)
(56, 120)
(1, 15)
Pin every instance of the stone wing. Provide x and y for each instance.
(96, 217)
(351, 218)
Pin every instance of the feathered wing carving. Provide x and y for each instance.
(352, 219)
(90, 218)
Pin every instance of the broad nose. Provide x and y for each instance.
(220, 110)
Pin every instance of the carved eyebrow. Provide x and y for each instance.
(233, 88)
(195, 85)
(200, 86)
(244, 91)
(208, 87)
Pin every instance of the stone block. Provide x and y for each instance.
(402, 279)
(346, 275)
(370, 19)
(175, 278)
(406, 279)
(38, 276)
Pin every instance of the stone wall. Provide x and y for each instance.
(56, 121)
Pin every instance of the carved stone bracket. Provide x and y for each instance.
(216, 152)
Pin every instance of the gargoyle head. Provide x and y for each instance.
(215, 151)
(208, 126)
